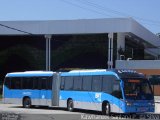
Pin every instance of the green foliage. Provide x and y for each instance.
(33, 56)
(79, 45)
(76, 48)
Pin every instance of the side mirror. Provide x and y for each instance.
(122, 84)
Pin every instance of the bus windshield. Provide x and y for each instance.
(137, 89)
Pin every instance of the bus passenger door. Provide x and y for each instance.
(49, 90)
(43, 90)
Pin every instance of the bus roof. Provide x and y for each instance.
(89, 72)
(119, 73)
(128, 73)
(30, 73)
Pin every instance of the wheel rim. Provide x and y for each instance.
(27, 103)
(70, 105)
(107, 109)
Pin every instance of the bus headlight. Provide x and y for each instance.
(151, 104)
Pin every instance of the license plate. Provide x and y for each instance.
(142, 109)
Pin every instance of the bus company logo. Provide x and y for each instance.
(43, 96)
(119, 71)
(26, 93)
(126, 71)
(98, 96)
(60, 97)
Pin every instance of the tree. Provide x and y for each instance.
(121, 51)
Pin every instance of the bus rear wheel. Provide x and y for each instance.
(106, 108)
(70, 105)
(27, 102)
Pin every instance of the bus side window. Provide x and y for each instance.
(43, 81)
(116, 90)
(49, 83)
(68, 83)
(16, 83)
(77, 83)
(87, 82)
(8, 82)
(39, 84)
(62, 83)
(97, 83)
(12, 82)
(107, 85)
(30, 83)
(27, 83)
(35, 83)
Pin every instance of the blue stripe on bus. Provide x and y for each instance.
(33, 94)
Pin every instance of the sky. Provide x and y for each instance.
(146, 12)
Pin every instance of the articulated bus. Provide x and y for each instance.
(116, 91)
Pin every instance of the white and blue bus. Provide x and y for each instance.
(117, 91)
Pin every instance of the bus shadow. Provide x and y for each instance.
(60, 108)
(40, 107)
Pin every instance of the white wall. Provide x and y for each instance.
(120, 42)
(138, 64)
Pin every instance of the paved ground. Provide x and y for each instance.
(10, 111)
(36, 110)
(15, 112)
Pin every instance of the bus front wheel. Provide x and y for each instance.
(70, 105)
(106, 108)
(27, 102)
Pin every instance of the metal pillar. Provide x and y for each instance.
(48, 52)
(110, 50)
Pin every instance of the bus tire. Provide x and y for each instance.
(27, 102)
(70, 105)
(106, 108)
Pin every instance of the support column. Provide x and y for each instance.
(120, 43)
(48, 52)
(110, 50)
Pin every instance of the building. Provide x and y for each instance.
(129, 35)
(129, 38)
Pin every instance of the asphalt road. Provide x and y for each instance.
(16, 112)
